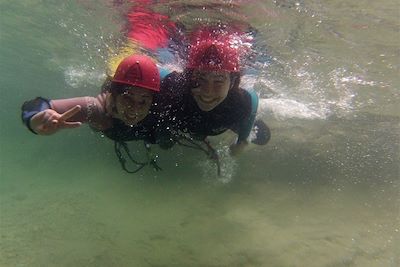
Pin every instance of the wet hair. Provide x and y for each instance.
(115, 88)
(119, 88)
(106, 86)
(235, 80)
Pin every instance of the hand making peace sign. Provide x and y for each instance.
(49, 121)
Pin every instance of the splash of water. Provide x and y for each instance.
(83, 75)
(289, 109)
(228, 167)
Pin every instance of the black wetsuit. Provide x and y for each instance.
(144, 130)
(233, 113)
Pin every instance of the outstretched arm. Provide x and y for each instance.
(261, 133)
(45, 117)
(246, 125)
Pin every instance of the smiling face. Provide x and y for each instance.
(133, 105)
(210, 88)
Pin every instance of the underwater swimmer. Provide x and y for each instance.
(209, 99)
(129, 107)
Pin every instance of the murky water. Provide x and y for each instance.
(324, 191)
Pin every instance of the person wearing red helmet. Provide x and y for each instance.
(127, 109)
(211, 100)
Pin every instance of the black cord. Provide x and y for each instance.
(210, 151)
(122, 160)
(152, 160)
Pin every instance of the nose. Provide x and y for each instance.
(137, 105)
(134, 104)
(207, 88)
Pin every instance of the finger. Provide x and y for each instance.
(70, 125)
(46, 129)
(51, 123)
(69, 113)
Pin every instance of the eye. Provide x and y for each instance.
(126, 97)
(219, 84)
(195, 84)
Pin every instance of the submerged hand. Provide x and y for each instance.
(49, 121)
(237, 148)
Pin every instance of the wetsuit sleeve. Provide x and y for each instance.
(246, 125)
(31, 108)
(163, 72)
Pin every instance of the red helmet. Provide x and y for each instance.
(138, 70)
(213, 55)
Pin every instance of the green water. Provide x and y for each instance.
(324, 191)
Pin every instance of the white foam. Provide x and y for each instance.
(288, 108)
(80, 76)
(228, 167)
